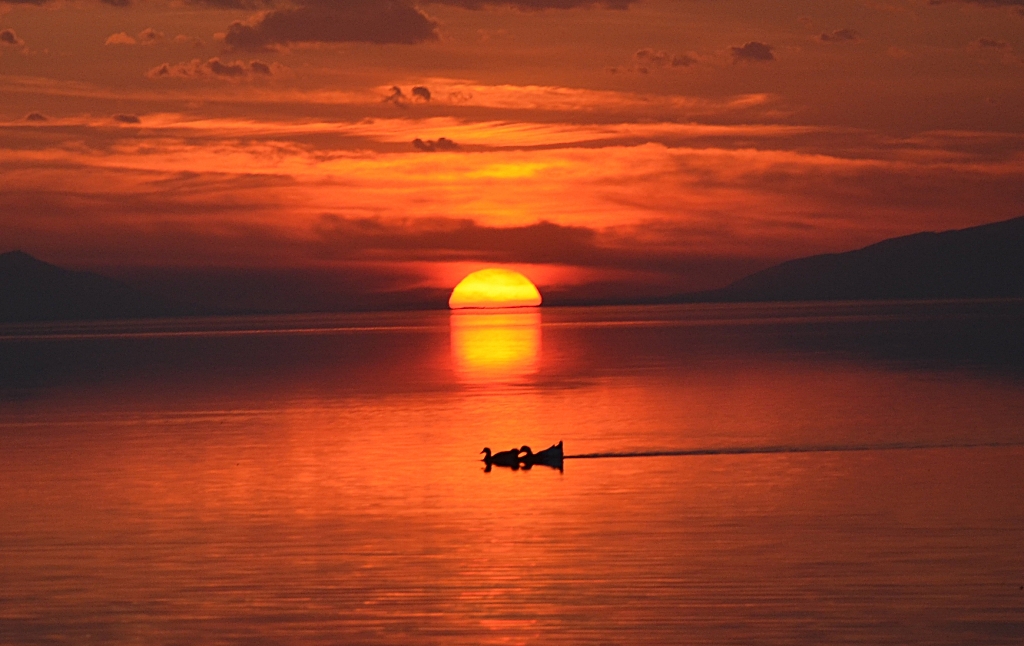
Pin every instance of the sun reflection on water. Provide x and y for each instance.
(496, 346)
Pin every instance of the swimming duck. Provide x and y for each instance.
(551, 456)
(508, 458)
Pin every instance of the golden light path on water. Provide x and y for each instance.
(496, 345)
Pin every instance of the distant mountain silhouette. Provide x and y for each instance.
(33, 290)
(980, 262)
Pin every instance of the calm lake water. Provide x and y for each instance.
(316, 480)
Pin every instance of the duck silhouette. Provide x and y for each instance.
(508, 458)
(550, 457)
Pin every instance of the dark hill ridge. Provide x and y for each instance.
(33, 290)
(980, 262)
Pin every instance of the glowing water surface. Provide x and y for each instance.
(496, 346)
(315, 480)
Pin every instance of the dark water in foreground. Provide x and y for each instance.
(314, 480)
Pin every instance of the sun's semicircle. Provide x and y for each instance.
(494, 288)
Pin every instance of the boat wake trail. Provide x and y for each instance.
(765, 450)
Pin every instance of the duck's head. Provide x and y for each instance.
(527, 450)
(486, 452)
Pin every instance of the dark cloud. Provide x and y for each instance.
(35, 116)
(453, 239)
(443, 144)
(126, 118)
(441, 239)
(213, 68)
(397, 97)
(401, 99)
(646, 59)
(444, 239)
(8, 37)
(536, 5)
(753, 52)
(840, 36)
(220, 69)
(366, 21)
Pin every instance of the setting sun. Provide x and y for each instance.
(491, 288)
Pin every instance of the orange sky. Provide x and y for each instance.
(357, 153)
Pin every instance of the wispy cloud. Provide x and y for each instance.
(581, 103)
(441, 144)
(148, 36)
(10, 39)
(647, 59)
(840, 36)
(215, 68)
